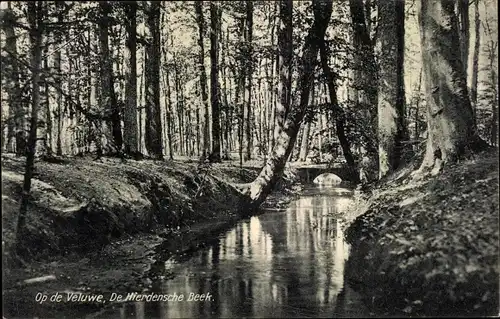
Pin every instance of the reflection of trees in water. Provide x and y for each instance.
(317, 261)
(278, 264)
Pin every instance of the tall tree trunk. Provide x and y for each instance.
(365, 75)
(16, 135)
(464, 24)
(41, 126)
(178, 105)
(154, 144)
(130, 71)
(492, 82)
(203, 76)
(141, 108)
(285, 51)
(272, 171)
(320, 136)
(451, 132)
(189, 126)
(308, 119)
(227, 90)
(364, 56)
(262, 121)
(92, 92)
(169, 117)
(59, 90)
(272, 93)
(198, 127)
(304, 143)
(417, 105)
(240, 83)
(35, 21)
(337, 112)
(48, 134)
(112, 126)
(214, 80)
(249, 73)
(240, 93)
(475, 58)
(391, 98)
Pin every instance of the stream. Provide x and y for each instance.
(284, 264)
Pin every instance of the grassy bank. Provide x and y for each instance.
(430, 247)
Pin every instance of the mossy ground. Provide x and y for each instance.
(431, 247)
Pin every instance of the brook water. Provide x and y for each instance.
(279, 264)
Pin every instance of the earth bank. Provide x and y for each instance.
(430, 246)
(96, 225)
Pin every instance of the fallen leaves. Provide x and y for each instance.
(435, 243)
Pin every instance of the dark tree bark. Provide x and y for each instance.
(112, 124)
(16, 134)
(179, 107)
(203, 76)
(46, 124)
(475, 58)
(464, 24)
(365, 75)
(130, 112)
(154, 144)
(35, 21)
(258, 190)
(169, 117)
(228, 108)
(58, 83)
(141, 108)
(214, 81)
(451, 132)
(391, 97)
(364, 57)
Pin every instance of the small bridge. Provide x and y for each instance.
(308, 172)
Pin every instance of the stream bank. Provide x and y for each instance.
(282, 263)
(82, 208)
(430, 247)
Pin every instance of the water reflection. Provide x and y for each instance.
(285, 264)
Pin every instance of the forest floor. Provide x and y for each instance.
(430, 246)
(95, 224)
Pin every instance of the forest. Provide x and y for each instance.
(108, 107)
